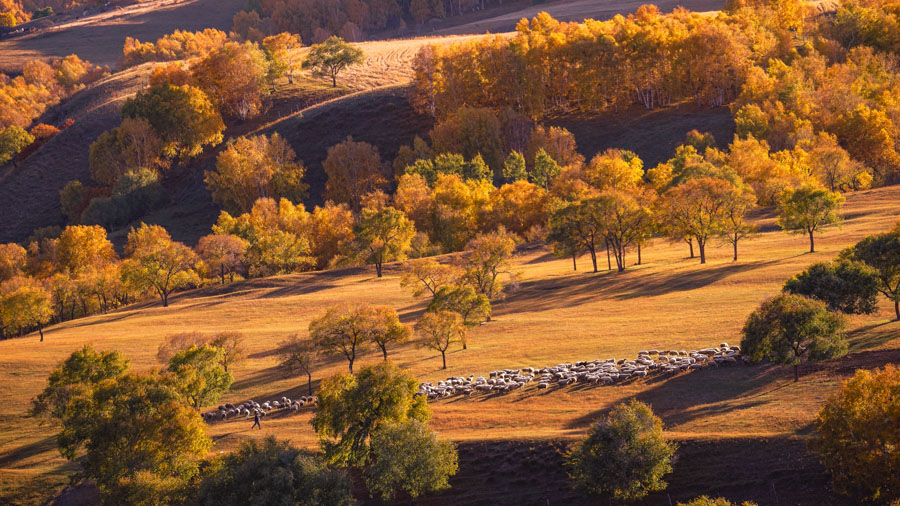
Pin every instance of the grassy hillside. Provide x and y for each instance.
(742, 429)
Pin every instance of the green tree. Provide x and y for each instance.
(182, 116)
(545, 169)
(342, 331)
(386, 328)
(351, 408)
(298, 355)
(75, 377)
(882, 253)
(474, 307)
(331, 57)
(625, 455)
(849, 287)
(129, 425)
(12, 141)
(439, 329)
(198, 374)
(383, 235)
(858, 437)
(408, 458)
(158, 263)
(273, 472)
(808, 209)
(788, 328)
(514, 167)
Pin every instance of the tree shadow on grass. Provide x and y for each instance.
(19, 453)
(545, 294)
(873, 336)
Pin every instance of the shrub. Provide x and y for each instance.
(626, 455)
(859, 438)
(408, 457)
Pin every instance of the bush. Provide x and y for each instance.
(626, 455)
(859, 438)
(408, 457)
(135, 194)
(849, 287)
(273, 472)
(709, 501)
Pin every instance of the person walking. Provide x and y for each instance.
(256, 421)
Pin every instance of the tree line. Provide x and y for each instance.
(793, 77)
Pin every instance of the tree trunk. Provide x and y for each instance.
(222, 272)
(897, 308)
(351, 365)
(796, 373)
(165, 298)
(383, 350)
(334, 80)
(594, 259)
(608, 261)
(574, 265)
(691, 245)
(378, 269)
(41, 331)
(812, 243)
(735, 248)
(639, 254)
(309, 383)
(444, 358)
(702, 246)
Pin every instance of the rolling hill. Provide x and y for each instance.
(742, 430)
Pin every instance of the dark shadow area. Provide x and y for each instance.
(20, 453)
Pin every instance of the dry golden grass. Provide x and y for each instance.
(556, 316)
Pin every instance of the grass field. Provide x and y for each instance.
(756, 414)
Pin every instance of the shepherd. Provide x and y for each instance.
(256, 421)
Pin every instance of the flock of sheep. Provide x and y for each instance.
(598, 372)
(251, 407)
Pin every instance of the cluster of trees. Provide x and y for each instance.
(796, 79)
(24, 98)
(76, 272)
(140, 439)
(806, 321)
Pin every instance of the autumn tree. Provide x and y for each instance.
(439, 330)
(132, 145)
(281, 51)
(486, 258)
(626, 455)
(383, 235)
(881, 252)
(407, 457)
(83, 248)
(257, 167)
(222, 254)
(343, 331)
(198, 376)
(12, 260)
(427, 275)
(846, 286)
(298, 355)
(13, 140)
(156, 262)
(229, 342)
(235, 77)
(354, 169)
(470, 132)
(75, 376)
(521, 207)
(788, 328)
(352, 408)
(615, 169)
(739, 200)
(624, 220)
(386, 328)
(697, 209)
(576, 226)
(24, 304)
(182, 116)
(808, 209)
(331, 232)
(332, 57)
(858, 437)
